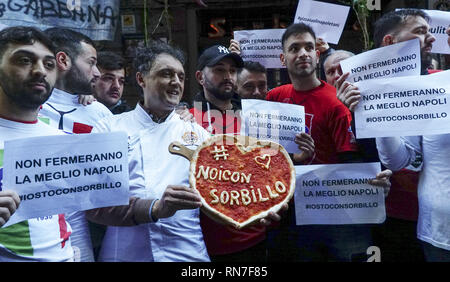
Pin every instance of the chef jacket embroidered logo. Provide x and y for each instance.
(190, 138)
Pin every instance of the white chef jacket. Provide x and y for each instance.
(152, 169)
(433, 224)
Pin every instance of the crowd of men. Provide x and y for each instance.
(43, 75)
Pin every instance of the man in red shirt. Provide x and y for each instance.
(215, 109)
(328, 121)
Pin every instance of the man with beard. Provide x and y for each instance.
(393, 27)
(76, 59)
(252, 81)
(433, 229)
(162, 217)
(397, 153)
(396, 236)
(109, 87)
(27, 76)
(328, 121)
(216, 108)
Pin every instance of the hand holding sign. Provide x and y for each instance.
(234, 47)
(383, 180)
(347, 93)
(321, 45)
(9, 202)
(401, 59)
(306, 145)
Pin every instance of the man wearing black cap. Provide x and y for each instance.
(215, 106)
(215, 109)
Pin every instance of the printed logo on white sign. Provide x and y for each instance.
(327, 20)
(262, 45)
(338, 194)
(401, 59)
(66, 173)
(273, 121)
(404, 106)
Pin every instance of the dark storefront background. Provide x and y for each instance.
(194, 28)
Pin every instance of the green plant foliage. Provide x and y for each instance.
(362, 14)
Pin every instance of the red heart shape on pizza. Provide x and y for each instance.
(241, 179)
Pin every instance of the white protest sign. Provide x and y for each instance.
(66, 173)
(404, 106)
(327, 20)
(261, 45)
(273, 121)
(97, 19)
(401, 59)
(338, 194)
(440, 20)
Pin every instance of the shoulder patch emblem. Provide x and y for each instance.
(190, 138)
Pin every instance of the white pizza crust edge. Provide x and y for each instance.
(213, 213)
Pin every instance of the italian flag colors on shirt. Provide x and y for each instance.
(38, 239)
(8, 236)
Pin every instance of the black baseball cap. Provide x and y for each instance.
(214, 54)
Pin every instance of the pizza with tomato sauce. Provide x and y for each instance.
(241, 179)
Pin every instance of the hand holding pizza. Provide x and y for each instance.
(175, 198)
(273, 217)
(241, 180)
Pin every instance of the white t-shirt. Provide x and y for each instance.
(39, 239)
(152, 168)
(63, 111)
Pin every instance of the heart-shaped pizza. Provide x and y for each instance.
(241, 179)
